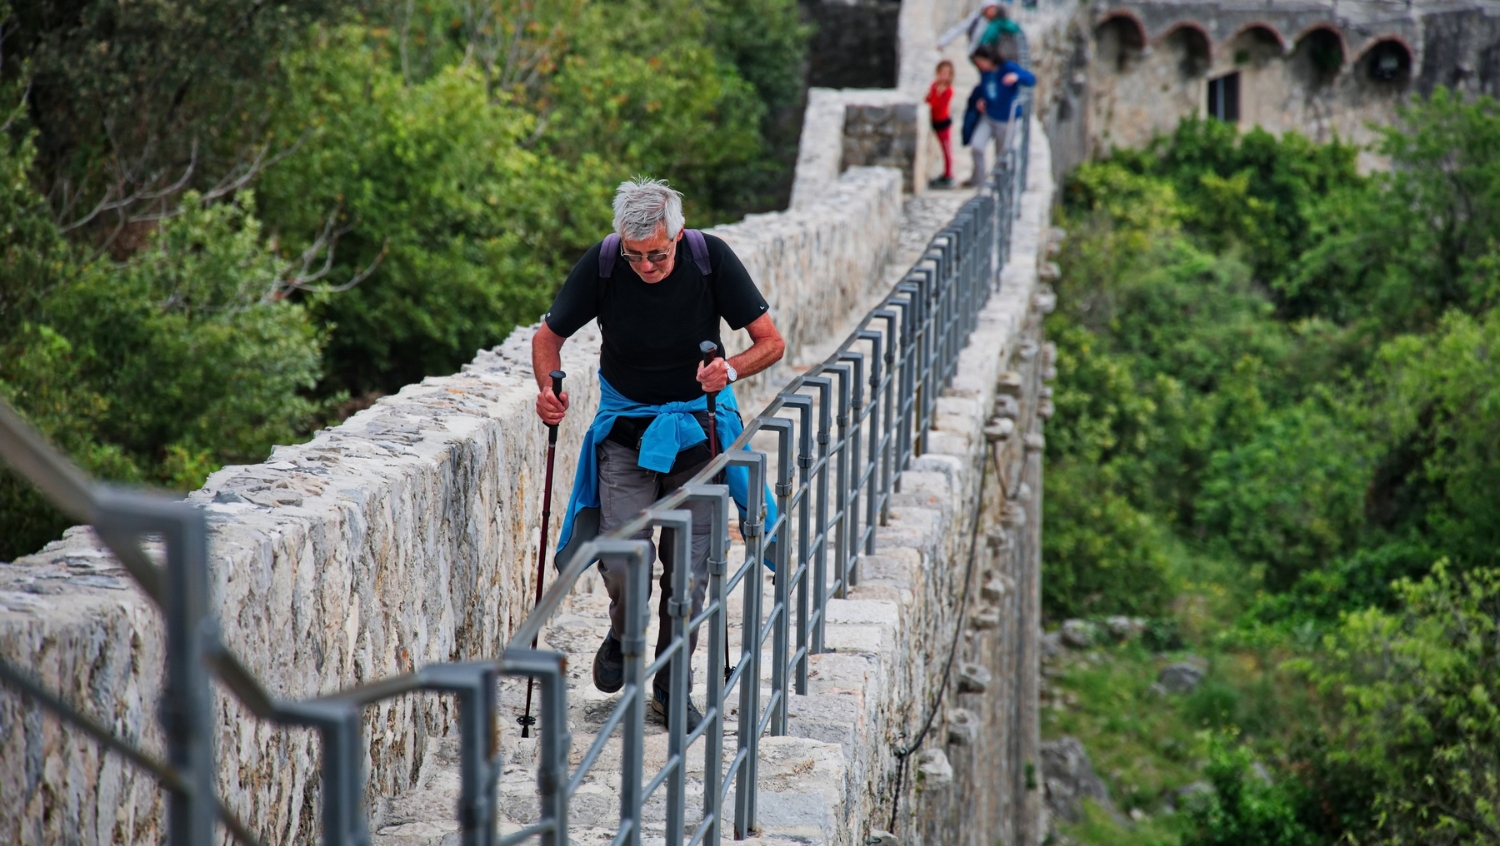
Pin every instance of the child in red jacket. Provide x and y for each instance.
(940, 101)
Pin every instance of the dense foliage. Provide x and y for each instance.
(221, 220)
(1274, 364)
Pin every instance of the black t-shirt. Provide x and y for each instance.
(652, 332)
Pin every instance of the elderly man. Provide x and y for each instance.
(658, 291)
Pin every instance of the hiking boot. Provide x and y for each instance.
(970, 183)
(659, 700)
(609, 665)
(941, 182)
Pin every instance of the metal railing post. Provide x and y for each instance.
(802, 574)
(553, 741)
(782, 596)
(122, 519)
(750, 639)
(824, 386)
(718, 633)
(872, 465)
(633, 555)
(841, 479)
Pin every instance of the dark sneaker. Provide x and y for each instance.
(609, 665)
(659, 701)
(941, 182)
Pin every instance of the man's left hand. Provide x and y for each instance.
(1010, 79)
(713, 376)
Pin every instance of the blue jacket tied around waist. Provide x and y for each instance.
(673, 430)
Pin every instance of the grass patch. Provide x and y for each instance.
(1099, 826)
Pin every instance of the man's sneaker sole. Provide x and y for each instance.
(604, 684)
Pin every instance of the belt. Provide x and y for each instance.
(628, 431)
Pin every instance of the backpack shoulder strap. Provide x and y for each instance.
(699, 247)
(609, 250)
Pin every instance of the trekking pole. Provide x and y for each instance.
(527, 721)
(710, 351)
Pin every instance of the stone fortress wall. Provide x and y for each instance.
(1324, 68)
(406, 535)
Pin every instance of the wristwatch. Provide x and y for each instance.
(730, 369)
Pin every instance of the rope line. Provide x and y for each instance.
(903, 753)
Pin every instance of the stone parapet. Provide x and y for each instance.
(403, 536)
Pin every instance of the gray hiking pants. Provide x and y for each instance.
(988, 130)
(625, 490)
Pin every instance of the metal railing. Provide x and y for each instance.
(125, 520)
(844, 432)
(840, 453)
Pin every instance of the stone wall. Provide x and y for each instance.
(403, 536)
(1312, 67)
(853, 43)
(853, 127)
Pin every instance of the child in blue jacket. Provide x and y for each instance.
(996, 100)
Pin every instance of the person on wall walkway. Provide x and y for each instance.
(984, 27)
(995, 100)
(939, 103)
(648, 437)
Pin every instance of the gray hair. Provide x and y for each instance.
(641, 205)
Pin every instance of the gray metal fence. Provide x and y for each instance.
(844, 432)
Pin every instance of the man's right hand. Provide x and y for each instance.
(549, 407)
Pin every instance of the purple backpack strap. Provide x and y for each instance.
(609, 250)
(699, 247)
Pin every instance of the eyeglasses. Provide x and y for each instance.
(654, 258)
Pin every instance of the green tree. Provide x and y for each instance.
(135, 103)
(1254, 194)
(1423, 237)
(1243, 809)
(1437, 403)
(160, 369)
(1409, 699)
(676, 109)
(429, 184)
(1290, 495)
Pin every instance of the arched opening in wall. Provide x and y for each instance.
(1256, 45)
(1119, 41)
(1189, 44)
(1319, 56)
(1386, 65)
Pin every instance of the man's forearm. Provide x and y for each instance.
(546, 355)
(762, 354)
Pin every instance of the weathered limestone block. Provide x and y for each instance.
(887, 135)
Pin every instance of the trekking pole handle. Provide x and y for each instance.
(557, 389)
(710, 352)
